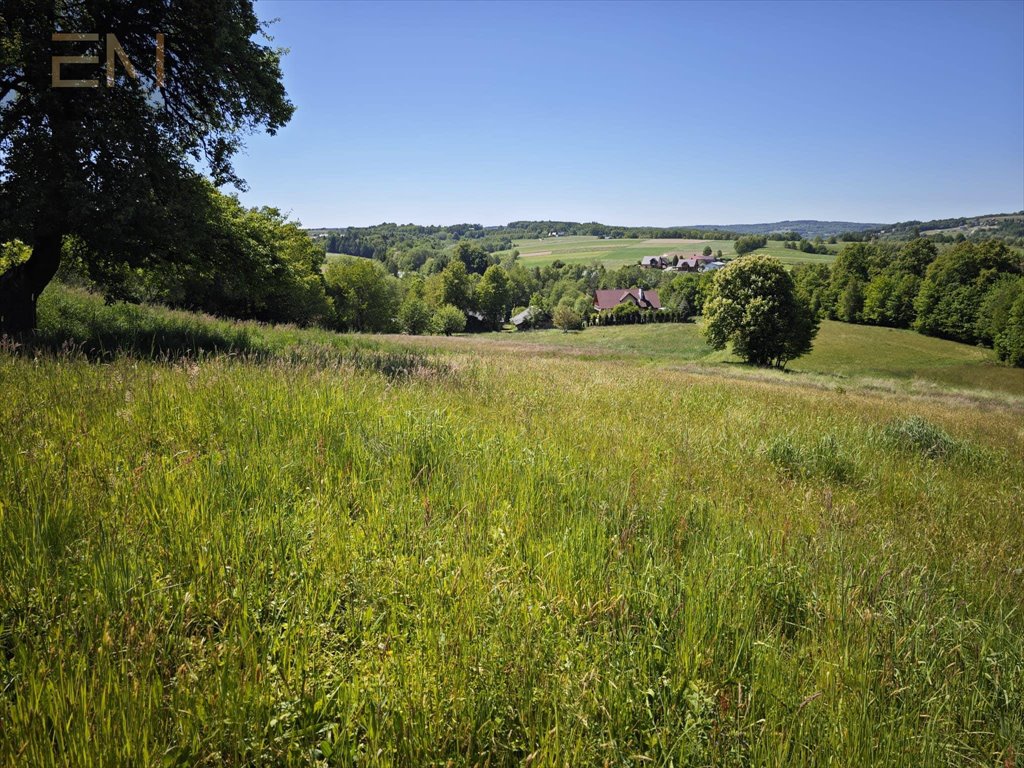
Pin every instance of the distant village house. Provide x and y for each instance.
(609, 299)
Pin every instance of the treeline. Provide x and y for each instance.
(972, 292)
(368, 298)
(1008, 227)
(403, 247)
(253, 263)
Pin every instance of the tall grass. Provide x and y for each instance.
(499, 560)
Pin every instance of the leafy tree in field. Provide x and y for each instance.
(955, 285)
(567, 318)
(748, 243)
(364, 296)
(494, 295)
(707, 250)
(114, 166)
(448, 319)
(1009, 342)
(754, 306)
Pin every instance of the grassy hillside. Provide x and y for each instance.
(490, 556)
(841, 350)
(616, 253)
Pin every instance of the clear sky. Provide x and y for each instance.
(632, 113)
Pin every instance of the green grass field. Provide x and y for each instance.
(581, 550)
(841, 350)
(618, 253)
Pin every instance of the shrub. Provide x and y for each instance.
(448, 320)
(414, 315)
(567, 318)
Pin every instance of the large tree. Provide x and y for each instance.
(116, 165)
(754, 305)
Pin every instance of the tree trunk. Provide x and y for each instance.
(21, 285)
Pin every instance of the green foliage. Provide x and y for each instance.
(566, 318)
(686, 292)
(955, 285)
(748, 243)
(365, 296)
(256, 264)
(625, 309)
(494, 295)
(995, 309)
(448, 319)
(812, 286)
(414, 315)
(889, 299)
(754, 307)
(115, 166)
(472, 256)
(13, 252)
(451, 286)
(1009, 342)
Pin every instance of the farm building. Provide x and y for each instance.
(523, 319)
(610, 299)
(690, 262)
(654, 262)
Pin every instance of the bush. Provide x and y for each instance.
(414, 315)
(567, 318)
(448, 320)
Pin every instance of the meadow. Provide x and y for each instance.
(623, 252)
(866, 355)
(354, 551)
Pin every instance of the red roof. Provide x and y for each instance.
(612, 298)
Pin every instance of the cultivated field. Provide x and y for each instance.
(617, 253)
(331, 550)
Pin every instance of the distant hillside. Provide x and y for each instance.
(379, 240)
(1004, 226)
(808, 228)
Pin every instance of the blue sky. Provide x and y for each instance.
(633, 113)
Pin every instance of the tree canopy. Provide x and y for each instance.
(115, 166)
(754, 305)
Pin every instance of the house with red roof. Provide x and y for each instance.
(609, 299)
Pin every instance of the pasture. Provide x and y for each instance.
(623, 252)
(307, 548)
(842, 351)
